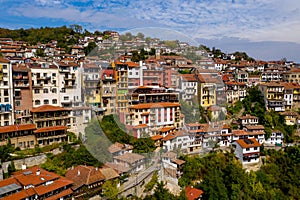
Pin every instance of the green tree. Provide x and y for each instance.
(110, 189)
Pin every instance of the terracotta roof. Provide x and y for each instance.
(226, 126)
(145, 114)
(118, 147)
(29, 177)
(178, 161)
(189, 77)
(175, 134)
(57, 184)
(255, 127)
(4, 60)
(166, 129)
(8, 181)
(48, 108)
(60, 195)
(140, 126)
(247, 116)
(129, 157)
(251, 143)
(51, 128)
(239, 132)
(154, 105)
(14, 128)
(84, 175)
(19, 195)
(289, 113)
(156, 137)
(193, 193)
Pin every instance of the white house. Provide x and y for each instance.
(177, 140)
(172, 167)
(247, 150)
(276, 138)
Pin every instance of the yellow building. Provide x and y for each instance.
(207, 90)
(273, 95)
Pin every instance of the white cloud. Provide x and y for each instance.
(251, 19)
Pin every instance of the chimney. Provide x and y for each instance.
(24, 166)
(78, 173)
(38, 172)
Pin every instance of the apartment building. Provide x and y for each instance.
(45, 84)
(108, 91)
(22, 84)
(69, 83)
(21, 136)
(6, 93)
(235, 91)
(151, 108)
(188, 86)
(51, 122)
(273, 95)
(91, 80)
(292, 75)
(121, 70)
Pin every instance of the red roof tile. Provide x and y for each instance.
(51, 128)
(193, 193)
(48, 108)
(243, 143)
(14, 128)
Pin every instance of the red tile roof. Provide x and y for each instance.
(48, 108)
(4, 60)
(84, 175)
(156, 137)
(14, 128)
(51, 128)
(64, 193)
(193, 193)
(243, 143)
(154, 105)
(30, 177)
(57, 184)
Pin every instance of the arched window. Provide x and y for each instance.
(46, 101)
(54, 101)
(37, 102)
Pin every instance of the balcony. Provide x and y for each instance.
(22, 85)
(44, 78)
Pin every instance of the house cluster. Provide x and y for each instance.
(44, 97)
(37, 183)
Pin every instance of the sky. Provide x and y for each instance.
(269, 29)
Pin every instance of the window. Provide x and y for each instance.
(53, 74)
(54, 90)
(54, 101)
(4, 66)
(247, 149)
(255, 148)
(5, 82)
(46, 101)
(37, 102)
(6, 99)
(36, 91)
(66, 98)
(6, 92)
(45, 91)
(17, 103)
